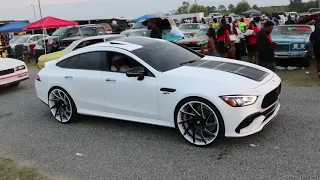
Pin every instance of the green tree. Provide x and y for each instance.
(255, 7)
(184, 8)
(231, 7)
(221, 8)
(242, 7)
(198, 8)
(211, 9)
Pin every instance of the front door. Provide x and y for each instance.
(125, 95)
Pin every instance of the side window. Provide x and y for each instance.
(72, 32)
(33, 39)
(119, 62)
(72, 63)
(90, 61)
(101, 30)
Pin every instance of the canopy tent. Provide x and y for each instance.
(142, 18)
(15, 26)
(49, 22)
(252, 11)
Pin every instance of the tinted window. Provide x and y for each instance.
(63, 63)
(72, 32)
(88, 31)
(88, 43)
(101, 30)
(72, 63)
(90, 61)
(164, 56)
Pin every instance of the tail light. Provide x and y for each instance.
(38, 78)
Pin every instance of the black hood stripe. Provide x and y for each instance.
(241, 70)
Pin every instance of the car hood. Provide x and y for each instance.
(53, 56)
(193, 40)
(221, 71)
(291, 38)
(7, 63)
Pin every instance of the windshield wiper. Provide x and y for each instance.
(188, 62)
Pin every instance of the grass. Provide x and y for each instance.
(10, 170)
(300, 78)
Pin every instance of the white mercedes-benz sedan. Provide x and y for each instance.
(12, 72)
(158, 82)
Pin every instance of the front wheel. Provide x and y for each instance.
(199, 121)
(61, 105)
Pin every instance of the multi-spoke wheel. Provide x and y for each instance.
(198, 121)
(61, 105)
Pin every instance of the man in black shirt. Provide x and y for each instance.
(289, 21)
(155, 31)
(265, 47)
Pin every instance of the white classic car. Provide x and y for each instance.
(12, 72)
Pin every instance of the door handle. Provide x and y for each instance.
(68, 77)
(110, 80)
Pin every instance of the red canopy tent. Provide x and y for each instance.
(49, 22)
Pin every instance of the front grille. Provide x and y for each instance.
(282, 47)
(7, 71)
(271, 97)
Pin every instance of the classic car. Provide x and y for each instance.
(193, 43)
(76, 45)
(12, 72)
(191, 29)
(173, 34)
(292, 41)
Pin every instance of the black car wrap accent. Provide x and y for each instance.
(239, 69)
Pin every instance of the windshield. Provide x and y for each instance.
(15, 38)
(314, 10)
(189, 26)
(291, 30)
(138, 25)
(201, 32)
(60, 32)
(88, 31)
(165, 56)
(22, 39)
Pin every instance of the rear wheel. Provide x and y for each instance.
(198, 121)
(61, 105)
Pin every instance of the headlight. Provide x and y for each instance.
(239, 101)
(18, 68)
(298, 46)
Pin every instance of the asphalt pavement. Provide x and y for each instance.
(289, 147)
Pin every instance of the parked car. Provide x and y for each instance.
(26, 40)
(190, 30)
(313, 10)
(76, 45)
(158, 76)
(85, 31)
(12, 72)
(215, 15)
(163, 24)
(192, 43)
(107, 27)
(292, 42)
(12, 40)
(173, 34)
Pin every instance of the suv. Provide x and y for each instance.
(63, 37)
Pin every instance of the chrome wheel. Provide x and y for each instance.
(60, 105)
(198, 123)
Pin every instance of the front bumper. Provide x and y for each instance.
(13, 78)
(287, 55)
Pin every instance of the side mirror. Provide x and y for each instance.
(136, 72)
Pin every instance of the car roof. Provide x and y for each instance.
(129, 43)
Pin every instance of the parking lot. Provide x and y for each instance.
(288, 148)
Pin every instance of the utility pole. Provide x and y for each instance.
(40, 9)
(34, 13)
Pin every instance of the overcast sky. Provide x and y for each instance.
(86, 9)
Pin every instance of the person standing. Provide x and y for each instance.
(315, 44)
(265, 47)
(252, 43)
(211, 45)
(215, 23)
(223, 39)
(289, 21)
(155, 31)
(242, 25)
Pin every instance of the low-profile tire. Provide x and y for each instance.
(61, 105)
(199, 121)
(15, 84)
(306, 62)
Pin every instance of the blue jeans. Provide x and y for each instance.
(214, 54)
